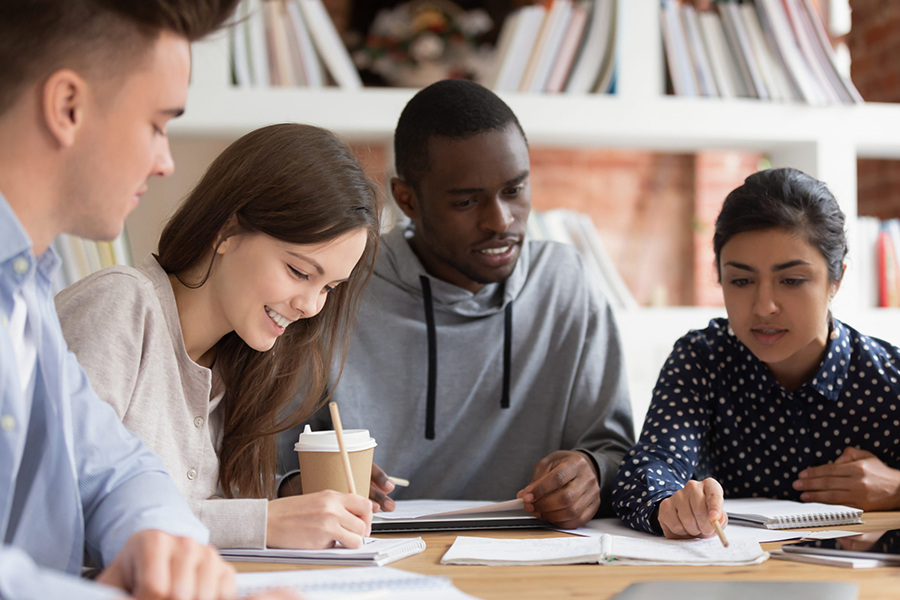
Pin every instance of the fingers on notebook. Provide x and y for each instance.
(156, 565)
(564, 490)
(318, 520)
(690, 512)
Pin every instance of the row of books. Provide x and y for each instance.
(879, 263)
(557, 46)
(82, 257)
(287, 43)
(774, 50)
(577, 229)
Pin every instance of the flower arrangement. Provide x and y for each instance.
(423, 41)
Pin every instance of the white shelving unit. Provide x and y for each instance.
(822, 141)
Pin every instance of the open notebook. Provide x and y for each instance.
(605, 549)
(785, 514)
(373, 552)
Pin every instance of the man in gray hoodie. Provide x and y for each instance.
(484, 363)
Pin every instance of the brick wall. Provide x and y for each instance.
(874, 43)
(640, 202)
(715, 175)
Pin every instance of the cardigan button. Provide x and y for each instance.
(198, 422)
(192, 474)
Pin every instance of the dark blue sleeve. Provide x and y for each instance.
(668, 451)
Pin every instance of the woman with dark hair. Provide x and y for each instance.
(201, 349)
(780, 400)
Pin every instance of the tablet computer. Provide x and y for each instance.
(879, 545)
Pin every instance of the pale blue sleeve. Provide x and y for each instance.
(124, 486)
(22, 579)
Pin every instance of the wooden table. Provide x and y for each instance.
(599, 582)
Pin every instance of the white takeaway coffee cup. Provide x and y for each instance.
(321, 467)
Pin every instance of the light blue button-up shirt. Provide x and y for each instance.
(72, 478)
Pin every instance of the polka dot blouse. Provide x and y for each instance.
(717, 412)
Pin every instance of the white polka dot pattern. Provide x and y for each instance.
(717, 412)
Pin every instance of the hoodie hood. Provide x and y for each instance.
(398, 265)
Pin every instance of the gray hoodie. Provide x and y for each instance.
(466, 406)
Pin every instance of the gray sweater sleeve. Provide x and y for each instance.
(599, 420)
(115, 327)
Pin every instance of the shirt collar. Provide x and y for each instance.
(13, 239)
(15, 244)
(832, 374)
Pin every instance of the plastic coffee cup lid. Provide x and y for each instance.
(326, 441)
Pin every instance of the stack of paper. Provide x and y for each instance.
(373, 552)
(553, 551)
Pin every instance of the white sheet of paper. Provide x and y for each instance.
(686, 552)
(413, 509)
(468, 550)
(829, 534)
(341, 583)
(598, 527)
(517, 504)
(831, 561)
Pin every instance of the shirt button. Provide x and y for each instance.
(192, 474)
(198, 422)
(20, 265)
(4, 320)
(8, 422)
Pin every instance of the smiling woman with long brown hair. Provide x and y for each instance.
(251, 296)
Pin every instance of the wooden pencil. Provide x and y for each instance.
(345, 458)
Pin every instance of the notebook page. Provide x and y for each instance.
(372, 550)
(613, 526)
(685, 552)
(413, 509)
(469, 550)
(335, 583)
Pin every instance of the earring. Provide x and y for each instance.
(835, 334)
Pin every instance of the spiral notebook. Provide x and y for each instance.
(375, 552)
(786, 514)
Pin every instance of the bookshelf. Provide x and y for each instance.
(823, 141)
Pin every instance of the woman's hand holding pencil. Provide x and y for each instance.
(697, 510)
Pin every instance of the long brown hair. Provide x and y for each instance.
(301, 185)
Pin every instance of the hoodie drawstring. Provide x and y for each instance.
(507, 353)
(432, 356)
